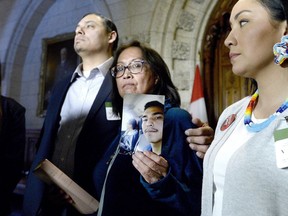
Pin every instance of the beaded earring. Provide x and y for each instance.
(280, 50)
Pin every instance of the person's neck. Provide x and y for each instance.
(273, 91)
(91, 62)
(157, 147)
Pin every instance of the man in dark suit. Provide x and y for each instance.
(77, 128)
(12, 143)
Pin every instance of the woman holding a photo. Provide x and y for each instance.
(147, 183)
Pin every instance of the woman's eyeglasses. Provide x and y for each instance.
(134, 67)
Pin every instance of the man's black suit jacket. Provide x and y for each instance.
(96, 135)
(12, 144)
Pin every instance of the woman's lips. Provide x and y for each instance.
(232, 56)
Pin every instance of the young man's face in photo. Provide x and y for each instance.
(152, 124)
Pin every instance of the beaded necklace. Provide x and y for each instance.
(250, 125)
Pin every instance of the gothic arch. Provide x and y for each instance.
(19, 43)
(178, 31)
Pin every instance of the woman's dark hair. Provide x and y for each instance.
(158, 67)
(278, 10)
(110, 26)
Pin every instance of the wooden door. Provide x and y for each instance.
(221, 86)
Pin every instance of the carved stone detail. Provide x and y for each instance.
(186, 21)
(180, 50)
(198, 1)
(144, 37)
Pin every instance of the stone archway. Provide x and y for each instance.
(19, 44)
(177, 31)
